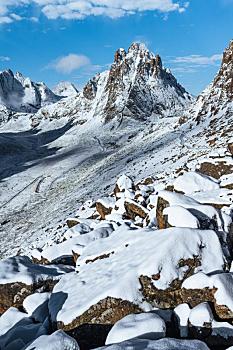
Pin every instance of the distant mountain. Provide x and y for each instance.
(65, 89)
(20, 94)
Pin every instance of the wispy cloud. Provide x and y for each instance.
(192, 63)
(198, 59)
(4, 59)
(184, 70)
(70, 63)
(79, 9)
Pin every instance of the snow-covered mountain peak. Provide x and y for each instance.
(138, 86)
(21, 94)
(136, 56)
(65, 89)
(19, 76)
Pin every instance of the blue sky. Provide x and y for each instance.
(54, 40)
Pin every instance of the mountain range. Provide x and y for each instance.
(116, 207)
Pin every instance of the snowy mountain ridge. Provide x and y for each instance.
(136, 87)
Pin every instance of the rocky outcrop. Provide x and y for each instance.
(20, 278)
(90, 89)
(214, 105)
(224, 79)
(117, 309)
(162, 220)
(134, 210)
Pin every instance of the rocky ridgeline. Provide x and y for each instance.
(215, 104)
(136, 87)
(148, 261)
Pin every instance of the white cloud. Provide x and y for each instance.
(198, 59)
(68, 64)
(16, 17)
(79, 9)
(4, 59)
(184, 70)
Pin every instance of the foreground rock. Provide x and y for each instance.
(17, 329)
(162, 344)
(124, 279)
(56, 341)
(144, 325)
(19, 277)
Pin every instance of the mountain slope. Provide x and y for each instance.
(213, 110)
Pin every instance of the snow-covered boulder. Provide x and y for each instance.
(182, 313)
(220, 286)
(56, 341)
(207, 215)
(18, 329)
(124, 187)
(145, 325)
(161, 344)
(130, 266)
(10, 318)
(201, 315)
(36, 306)
(203, 326)
(191, 182)
(19, 277)
(178, 216)
(66, 252)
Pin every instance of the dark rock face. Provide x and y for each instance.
(162, 220)
(90, 90)
(13, 294)
(106, 312)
